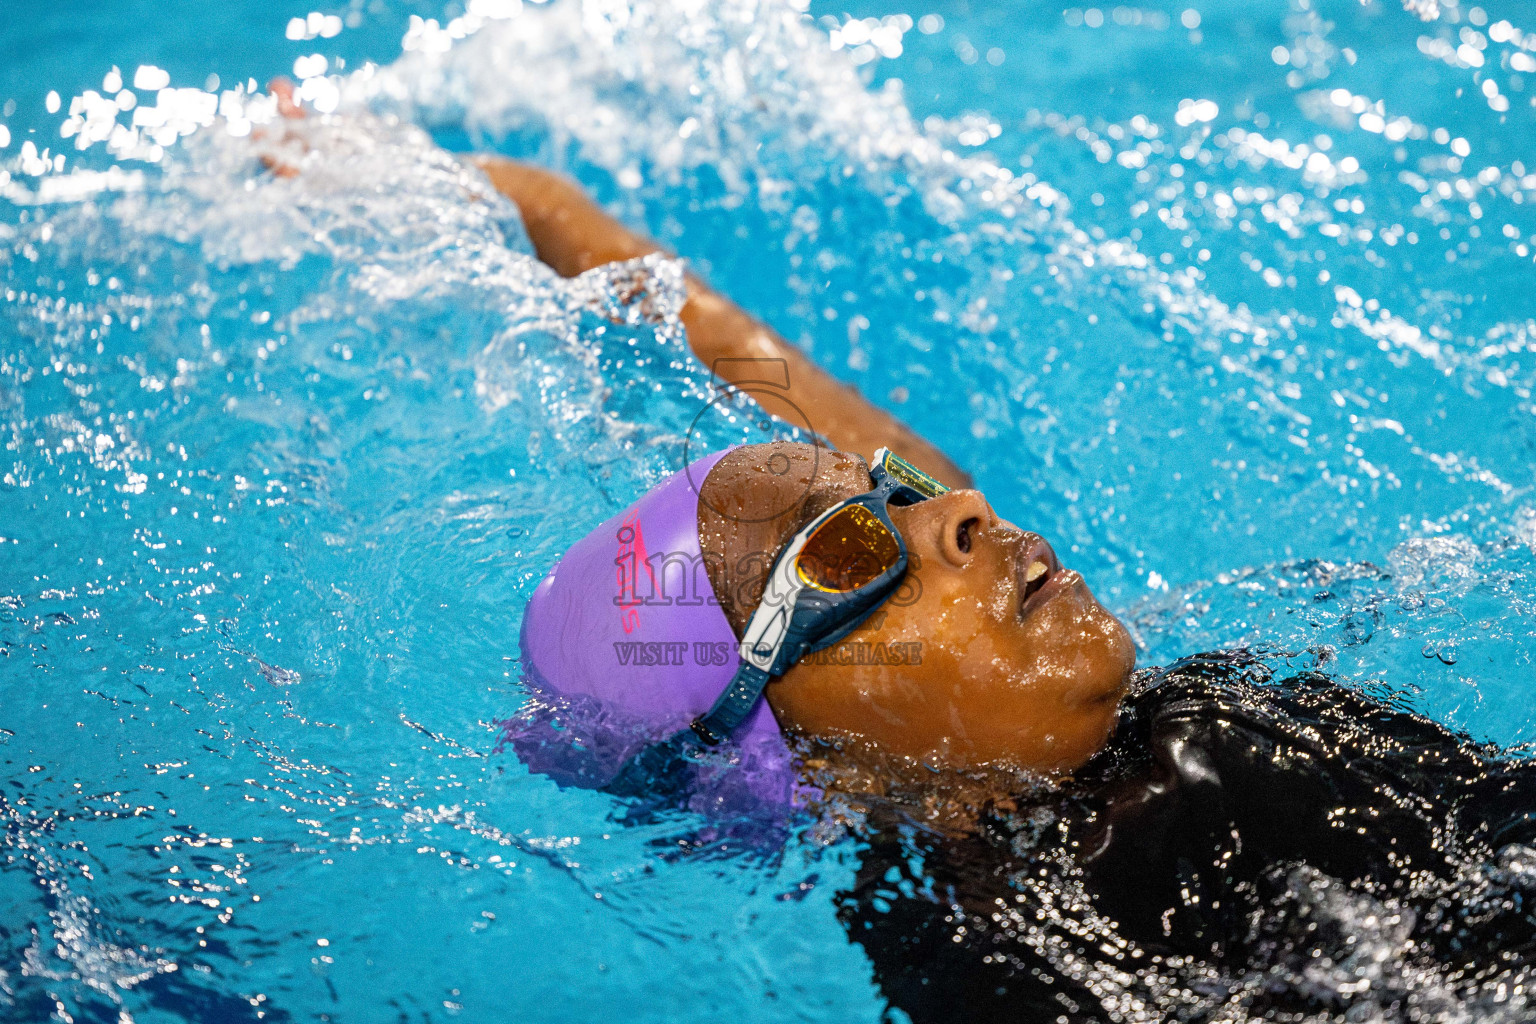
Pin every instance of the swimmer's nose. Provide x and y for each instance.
(959, 517)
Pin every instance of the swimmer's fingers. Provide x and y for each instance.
(279, 165)
(282, 150)
(281, 89)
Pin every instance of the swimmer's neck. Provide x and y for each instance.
(949, 801)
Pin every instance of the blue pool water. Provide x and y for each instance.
(1231, 301)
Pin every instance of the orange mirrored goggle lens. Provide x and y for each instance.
(848, 551)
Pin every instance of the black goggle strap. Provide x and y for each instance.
(733, 706)
(769, 645)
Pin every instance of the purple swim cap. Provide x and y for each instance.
(626, 632)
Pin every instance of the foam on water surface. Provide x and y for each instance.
(1231, 303)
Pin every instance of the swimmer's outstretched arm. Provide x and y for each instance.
(572, 234)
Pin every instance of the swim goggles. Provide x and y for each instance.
(826, 581)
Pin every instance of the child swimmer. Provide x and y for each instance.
(1214, 832)
(1019, 665)
(1006, 658)
(1219, 843)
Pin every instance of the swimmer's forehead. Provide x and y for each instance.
(794, 463)
(808, 477)
(814, 466)
(757, 495)
(802, 456)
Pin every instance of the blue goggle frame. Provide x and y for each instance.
(793, 618)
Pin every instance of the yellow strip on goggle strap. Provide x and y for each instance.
(906, 473)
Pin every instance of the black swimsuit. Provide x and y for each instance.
(1245, 846)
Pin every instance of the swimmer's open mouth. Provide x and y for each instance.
(1036, 567)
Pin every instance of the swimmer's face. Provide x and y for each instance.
(1017, 663)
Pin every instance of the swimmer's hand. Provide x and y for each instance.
(282, 148)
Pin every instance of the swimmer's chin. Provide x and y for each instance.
(1108, 685)
(1095, 724)
(1096, 742)
(1074, 620)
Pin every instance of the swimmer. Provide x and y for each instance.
(1005, 659)
(1204, 836)
(1208, 841)
(1020, 665)
(1205, 841)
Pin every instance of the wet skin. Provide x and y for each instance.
(1015, 671)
